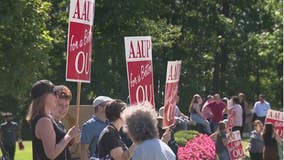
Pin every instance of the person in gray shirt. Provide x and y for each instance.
(9, 134)
(141, 125)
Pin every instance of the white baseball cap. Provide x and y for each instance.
(101, 99)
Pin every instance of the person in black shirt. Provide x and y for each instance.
(110, 144)
(48, 140)
(64, 97)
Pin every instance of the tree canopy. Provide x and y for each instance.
(225, 47)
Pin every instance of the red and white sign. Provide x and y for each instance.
(138, 52)
(234, 145)
(171, 90)
(79, 45)
(230, 118)
(276, 118)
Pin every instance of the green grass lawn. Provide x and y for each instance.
(26, 154)
(245, 144)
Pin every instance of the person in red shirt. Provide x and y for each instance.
(217, 108)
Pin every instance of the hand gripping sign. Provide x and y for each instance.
(79, 47)
(234, 145)
(276, 118)
(172, 79)
(138, 52)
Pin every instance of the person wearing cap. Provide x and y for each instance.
(92, 128)
(9, 134)
(48, 140)
(246, 110)
(64, 97)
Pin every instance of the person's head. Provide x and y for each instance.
(177, 99)
(225, 100)
(44, 99)
(64, 97)
(235, 100)
(196, 99)
(268, 130)
(114, 111)
(9, 116)
(258, 126)
(160, 121)
(241, 96)
(141, 122)
(221, 126)
(209, 98)
(99, 105)
(217, 98)
(261, 98)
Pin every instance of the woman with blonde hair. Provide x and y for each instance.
(196, 115)
(48, 142)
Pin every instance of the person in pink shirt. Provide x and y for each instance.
(237, 115)
(205, 110)
(217, 108)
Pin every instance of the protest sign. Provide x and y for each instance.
(79, 45)
(234, 145)
(171, 90)
(276, 118)
(230, 118)
(138, 52)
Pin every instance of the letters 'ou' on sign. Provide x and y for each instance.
(138, 53)
(234, 145)
(171, 90)
(79, 47)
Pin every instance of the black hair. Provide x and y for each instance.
(114, 109)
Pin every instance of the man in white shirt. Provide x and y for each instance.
(260, 109)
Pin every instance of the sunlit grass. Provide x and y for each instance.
(26, 154)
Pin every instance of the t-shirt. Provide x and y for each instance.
(237, 115)
(217, 110)
(260, 109)
(177, 111)
(109, 140)
(9, 132)
(153, 149)
(256, 142)
(90, 133)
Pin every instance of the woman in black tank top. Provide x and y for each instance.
(48, 140)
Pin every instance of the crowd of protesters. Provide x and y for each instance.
(116, 131)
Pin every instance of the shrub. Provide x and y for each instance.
(201, 147)
(182, 137)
